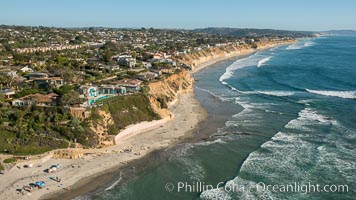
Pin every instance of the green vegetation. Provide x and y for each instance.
(63, 89)
(9, 160)
(113, 130)
(1, 167)
(89, 56)
(34, 130)
(127, 110)
(27, 92)
(70, 98)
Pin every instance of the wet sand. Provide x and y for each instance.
(92, 173)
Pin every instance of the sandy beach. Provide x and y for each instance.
(242, 52)
(188, 113)
(161, 134)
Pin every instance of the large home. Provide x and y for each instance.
(88, 91)
(127, 61)
(37, 75)
(94, 93)
(112, 89)
(131, 85)
(8, 93)
(163, 62)
(53, 81)
(147, 76)
(36, 99)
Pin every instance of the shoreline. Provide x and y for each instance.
(243, 52)
(103, 167)
(188, 113)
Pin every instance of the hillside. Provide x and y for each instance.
(206, 56)
(340, 32)
(250, 32)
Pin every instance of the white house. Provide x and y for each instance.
(126, 60)
(26, 69)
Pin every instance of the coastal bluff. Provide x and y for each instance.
(165, 92)
(126, 116)
(162, 94)
(199, 59)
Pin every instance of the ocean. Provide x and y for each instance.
(282, 125)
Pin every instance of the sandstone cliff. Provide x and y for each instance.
(197, 58)
(165, 92)
(101, 127)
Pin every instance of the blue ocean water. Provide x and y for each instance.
(310, 87)
(296, 125)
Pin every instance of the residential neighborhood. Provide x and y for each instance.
(65, 77)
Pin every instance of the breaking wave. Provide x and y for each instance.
(263, 61)
(115, 183)
(241, 63)
(341, 94)
(277, 93)
(300, 45)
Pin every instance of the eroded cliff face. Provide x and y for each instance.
(163, 93)
(101, 128)
(197, 58)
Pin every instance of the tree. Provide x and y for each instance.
(70, 98)
(6, 81)
(2, 98)
(106, 56)
(64, 89)
(68, 76)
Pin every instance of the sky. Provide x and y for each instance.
(313, 15)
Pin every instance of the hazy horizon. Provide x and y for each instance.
(300, 15)
(170, 28)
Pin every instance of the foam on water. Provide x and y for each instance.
(215, 194)
(237, 188)
(250, 116)
(272, 111)
(192, 167)
(213, 94)
(309, 117)
(265, 92)
(291, 151)
(277, 93)
(263, 61)
(309, 44)
(300, 45)
(241, 63)
(115, 183)
(309, 145)
(217, 141)
(341, 94)
(247, 108)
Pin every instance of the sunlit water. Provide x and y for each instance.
(295, 122)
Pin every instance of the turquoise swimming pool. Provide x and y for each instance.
(92, 101)
(102, 97)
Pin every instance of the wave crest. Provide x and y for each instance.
(300, 45)
(341, 94)
(263, 61)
